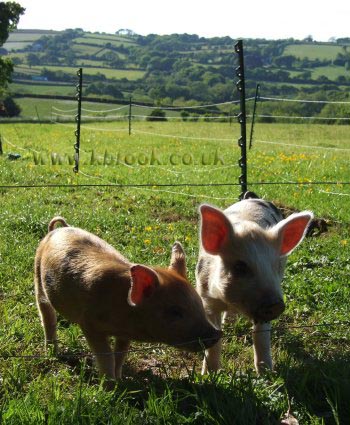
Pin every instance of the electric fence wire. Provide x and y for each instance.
(292, 117)
(184, 107)
(228, 335)
(279, 99)
(302, 146)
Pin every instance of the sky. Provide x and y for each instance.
(270, 19)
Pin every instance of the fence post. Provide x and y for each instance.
(242, 141)
(1, 152)
(253, 117)
(129, 115)
(78, 120)
(37, 114)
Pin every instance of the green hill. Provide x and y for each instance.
(177, 68)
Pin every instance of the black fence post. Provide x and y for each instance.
(254, 114)
(1, 152)
(130, 116)
(78, 121)
(242, 141)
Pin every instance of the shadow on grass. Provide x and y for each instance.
(317, 388)
(219, 398)
(322, 384)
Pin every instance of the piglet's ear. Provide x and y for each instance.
(144, 281)
(216, 229)
(292, 230)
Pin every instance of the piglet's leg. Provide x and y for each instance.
(262, 346)
(100, 347)
(211, 362)
(121, 348)
(49, 320)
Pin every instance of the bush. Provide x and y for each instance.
(184, 115)
(156, 115)
(9, 108)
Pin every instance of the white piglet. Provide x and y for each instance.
(241, 266)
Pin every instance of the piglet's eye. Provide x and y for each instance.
(240, 268)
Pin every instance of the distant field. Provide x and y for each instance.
(48, 90)
(109, 73)
(101, 41)
(313, 51)
(25, 69)
(110, 38)
(16, 45)
(20, 39)
(31, 108)
(332, 72)
(106, 50)
(82, 49)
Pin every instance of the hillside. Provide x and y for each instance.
(174, 69)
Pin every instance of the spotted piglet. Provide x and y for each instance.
(241, 265)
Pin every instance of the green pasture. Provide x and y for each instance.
(44, 89)
(313, 51)
(332, 72)
(83, 49)
(102, 37)
(42, 109)
(108, 73)
(12, 46)
(21, 39)
(311, 343)
(102, 41)
(25, 69)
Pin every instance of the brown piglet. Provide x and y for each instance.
(87, 281)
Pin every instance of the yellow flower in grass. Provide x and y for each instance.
(344, 242)
(148, 228)
(188, 238)
(147, 241)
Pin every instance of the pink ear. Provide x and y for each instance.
(143, 283)
(215, 229)
(292, 230)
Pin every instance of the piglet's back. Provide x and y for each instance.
(73, 264)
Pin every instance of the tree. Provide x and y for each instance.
(33, 59)
(10, 13)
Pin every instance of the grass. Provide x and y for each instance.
(21, 39)
(46, 89)
(102, 41)
(331, 72)
(108, 73)
(162, 386)
(313, 51)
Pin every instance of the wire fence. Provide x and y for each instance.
(220, 114)
(69, 114)
(229, 334)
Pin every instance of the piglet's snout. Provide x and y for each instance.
(270, 310)
(206, 340)
(212, 338)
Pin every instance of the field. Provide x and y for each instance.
(313, 51)
(311, 340)
(23, 38)
(108, 73)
